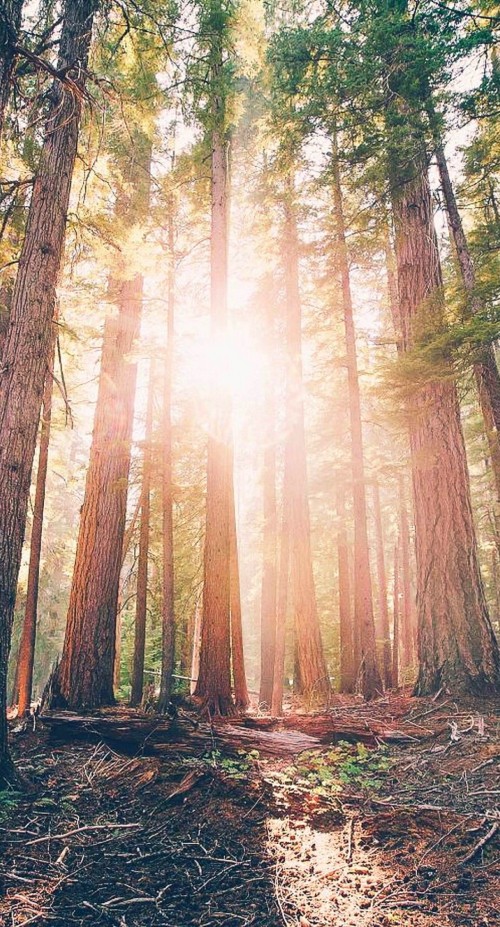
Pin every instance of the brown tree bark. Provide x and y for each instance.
(85, 675)
(485, 367)
(369, 680)
(395, 619)
(214, 680)
(383, 607)
(241, 698)
(168, 602)
(269, 544)
(27, 347)
(26, 656)
(141, 601)
(195, 661)
(406, 618)
(457, 647)
(314, 678)
(347, 665)
(282, 600)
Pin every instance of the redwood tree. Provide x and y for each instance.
(313, 673)
(168, 604)
(27, 347)
(26, 656)
(142, 562)
(457, 647)
(85, 674)
(368, 676)
(214, 679)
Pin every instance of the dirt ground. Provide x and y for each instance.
(403, 832)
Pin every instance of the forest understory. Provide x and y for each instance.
(392, 818)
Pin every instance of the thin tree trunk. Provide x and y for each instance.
(26, 656)
(238, 660)
(364, 624)
(195, 663)
(407, 636)
(141, 601)
(27, 347)
(314, 678)
(85, 675)
(396, 619)
(457, 647)
(269, 533)
(168, 602)
(269, 578)
(485, 367)
(347, 665)
(282, 602)
(384, 634)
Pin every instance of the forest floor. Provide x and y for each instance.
(401, 830)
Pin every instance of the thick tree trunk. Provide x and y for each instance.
(214, 680)
(168, 604)
(26, 656)
(238, 660)
(85, 675)
(369, 680)
(27, 347)
(485, 368)
(141, 601)
(457, 647)
(10, 25)
(314, 678)
(383, 608)
(346, 636)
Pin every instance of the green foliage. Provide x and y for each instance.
(326, 774)
(9, 801)
(232, 767)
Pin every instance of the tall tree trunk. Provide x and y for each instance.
(141, 601)
(282, 601)
(457, 647)
(314, 678)
(406, 616)
(383, 608)
(85, 676)
(369, 679)
(347, 664)
(269, 533)
(238, 660)
(168, 603)
(396, 619)
(10, 25)
(26, 657)
(485, 367)
(27, 347)
(195, 662)
(214, 680)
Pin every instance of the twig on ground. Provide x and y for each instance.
(480, 844)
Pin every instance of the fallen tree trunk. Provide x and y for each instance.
(280, 737)
(150, 734)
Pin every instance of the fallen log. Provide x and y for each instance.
(330, 729)
(150, 735)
